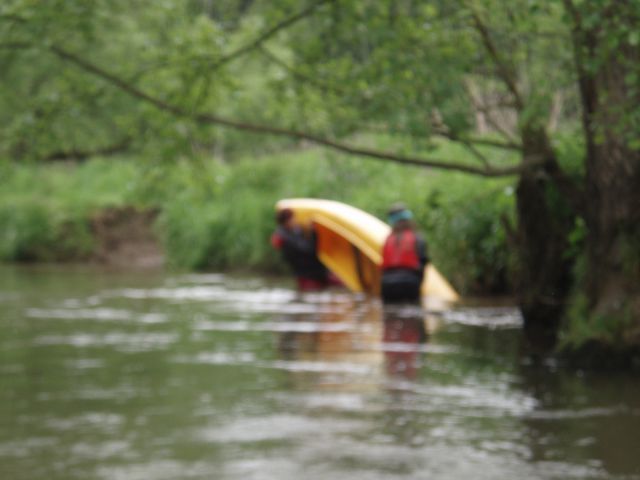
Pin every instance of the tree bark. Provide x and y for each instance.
(544, 271)
(612, 213)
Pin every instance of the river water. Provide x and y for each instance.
(154, 376)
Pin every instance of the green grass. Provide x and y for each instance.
(44, 211)
(217, 215)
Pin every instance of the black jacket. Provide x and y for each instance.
(299, 251)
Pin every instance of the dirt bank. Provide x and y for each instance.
(125, 237)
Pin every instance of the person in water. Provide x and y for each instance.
(298, 248)
(404, 257)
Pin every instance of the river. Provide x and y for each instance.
(152, 376)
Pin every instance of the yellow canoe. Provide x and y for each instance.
(350, 244)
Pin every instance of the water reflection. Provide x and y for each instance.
(342, 349)
(382, 347)
(120, 377)
(593, 428)
(404, 334)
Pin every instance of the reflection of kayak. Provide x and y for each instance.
(350, 244)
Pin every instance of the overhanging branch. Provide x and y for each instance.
(213, 63)
(209, 118)
(513, 146)
(79, 155)
(287, 22)
(15, 45)
(12, 17)
(317, 83)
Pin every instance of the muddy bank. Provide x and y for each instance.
(125, 237)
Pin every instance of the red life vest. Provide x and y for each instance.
(400, 251)
(277, 241)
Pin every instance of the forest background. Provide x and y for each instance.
(512, 128)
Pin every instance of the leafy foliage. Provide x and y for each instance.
(162, 81)
(466, 221)
(215, 215)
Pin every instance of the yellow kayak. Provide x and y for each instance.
(350, 244)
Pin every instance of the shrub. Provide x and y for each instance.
(26, 231)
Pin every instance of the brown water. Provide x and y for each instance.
(138, 376)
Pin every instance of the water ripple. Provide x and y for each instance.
(101, 314)
(127, 341)
(495, 318)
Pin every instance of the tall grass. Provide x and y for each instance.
(216, 215)
(44, 211)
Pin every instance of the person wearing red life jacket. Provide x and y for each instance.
(298, 248)
(404, 256)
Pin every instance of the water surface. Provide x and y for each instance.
(137, 376)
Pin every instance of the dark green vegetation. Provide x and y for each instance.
(553, 82)
(217, 215)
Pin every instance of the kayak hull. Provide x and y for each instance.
(350, 243)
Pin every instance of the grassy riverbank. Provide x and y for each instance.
(215, 215)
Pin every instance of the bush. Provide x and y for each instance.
(26, 233)
(30, 230)
(467, 237)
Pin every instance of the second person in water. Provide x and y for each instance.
(298, 247)
(404, 257)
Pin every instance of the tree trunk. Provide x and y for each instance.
(609, 326)
(544, 272)
(612, 282)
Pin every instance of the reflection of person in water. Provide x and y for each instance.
(333, 346)
(402, 338)
(298, 248)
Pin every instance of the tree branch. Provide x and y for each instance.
(476, 152)
(504, 71)
(491, 120)
(586, 82)
(12, 17)
(513, 146)
(79, 155)
(117, 81)
(487, 111)
(208, 118)
(287, 22)
(325, 87)
(15, 45)
(443, 130)
(215, 64)
(509, 145)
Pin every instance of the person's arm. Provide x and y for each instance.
(422, 251)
